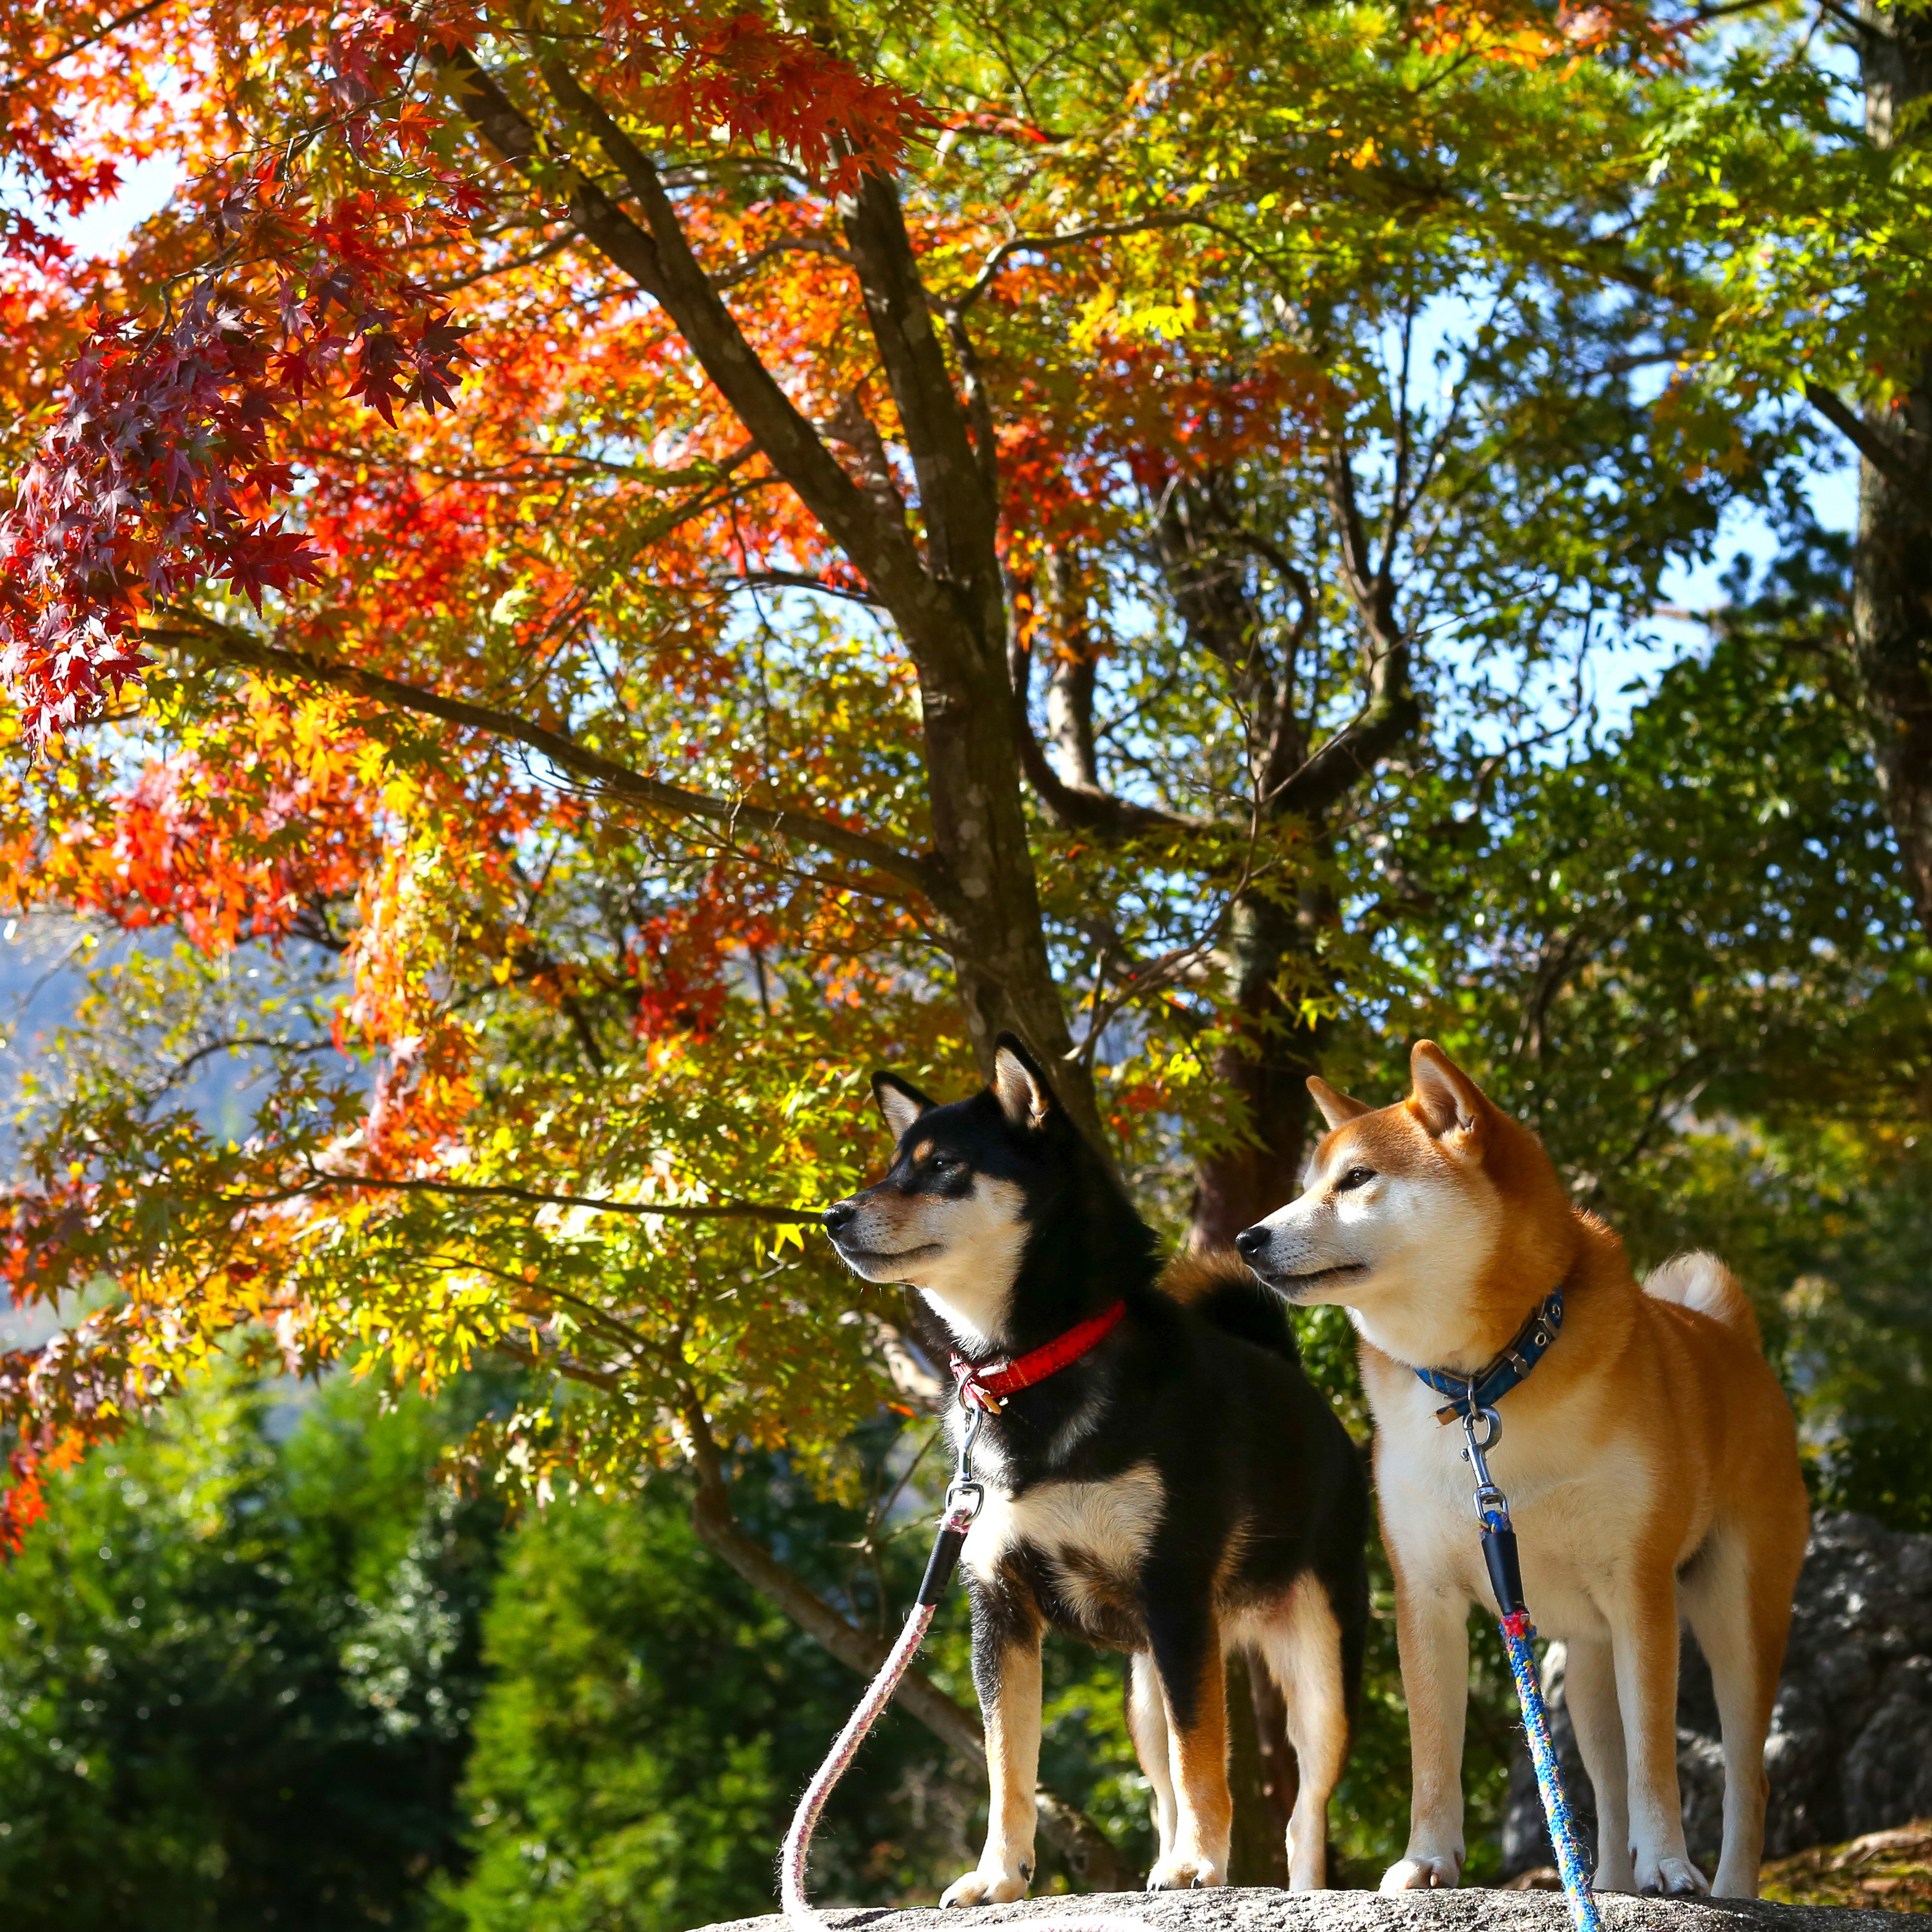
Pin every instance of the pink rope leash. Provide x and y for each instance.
(799, 1913)
(963, 1500)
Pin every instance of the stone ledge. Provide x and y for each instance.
(1231, 1910)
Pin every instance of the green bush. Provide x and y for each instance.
(238, 1664)
(652, 1720)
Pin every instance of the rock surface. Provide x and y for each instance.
(1850, 1749)
(1231, 1910)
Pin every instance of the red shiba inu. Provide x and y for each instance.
(1650, 1459)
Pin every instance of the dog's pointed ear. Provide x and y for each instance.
(900, 1102)
(1025, 1095)
(1445, 1100)
(1336, 1107)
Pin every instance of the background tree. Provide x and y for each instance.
(1894, 580)
(238, 1671)
(1781, 237)
(1686, 954)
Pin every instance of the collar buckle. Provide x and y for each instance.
(973, 1394)
(988, 1389)
(1470, 1395)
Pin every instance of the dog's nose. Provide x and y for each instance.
(837, 1215)
(1251, 1241)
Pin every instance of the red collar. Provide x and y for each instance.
(988, 1388)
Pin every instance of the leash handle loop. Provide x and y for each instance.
(941, 1564)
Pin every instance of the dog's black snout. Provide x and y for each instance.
(837, 1215)
(1251, 1241)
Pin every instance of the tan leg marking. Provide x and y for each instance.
(1197, 1765)
(1304, 1653)
(1012, 1722)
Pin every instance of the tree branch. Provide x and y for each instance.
(659, 259)
(1285, 742)
(797, 580)
(1081, 807)
(1357, 564)
(1071, 238)
(15, 82)
(960, 514)
(1392, 711)
(1332, 769)
(230, 644)
(979, 404)
(801, 244)
(1870, 444)
(1073, 674)
(600, 1204)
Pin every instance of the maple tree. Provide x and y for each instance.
(635, 561)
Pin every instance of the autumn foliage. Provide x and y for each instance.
(521, 567)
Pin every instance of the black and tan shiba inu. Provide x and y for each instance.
(1650, 1459)
(1172, 1486)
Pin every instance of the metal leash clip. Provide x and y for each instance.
(965, 1498)
(1488, 1499)
(1499, 1550)
(964, 1486)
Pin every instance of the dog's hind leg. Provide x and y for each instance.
(1005, 1671)
(1186, 1644)
(1304, 1652)
(1147, 1724)
(1590, 1689)
(1741, 1630)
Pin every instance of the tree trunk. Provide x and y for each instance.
(991, 921)
(943, 587)
(1266, 1066)
(1891, 583)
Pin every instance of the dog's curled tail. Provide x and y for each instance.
(1701, 1281)
(1221, 1288)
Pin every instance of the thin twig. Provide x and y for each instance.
(599, 1204)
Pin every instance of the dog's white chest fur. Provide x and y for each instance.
(1090, 1530)
(1575, 1506)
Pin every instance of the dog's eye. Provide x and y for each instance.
(942, 1163)
(1356, 1176)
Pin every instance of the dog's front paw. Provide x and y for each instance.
(985, 1888)
(1425, 1874)
(1185, 1871)
(1670, 1878)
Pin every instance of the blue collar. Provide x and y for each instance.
(1469, 1393)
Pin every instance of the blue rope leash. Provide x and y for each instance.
(1517, 1634)
(1499, 1554)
